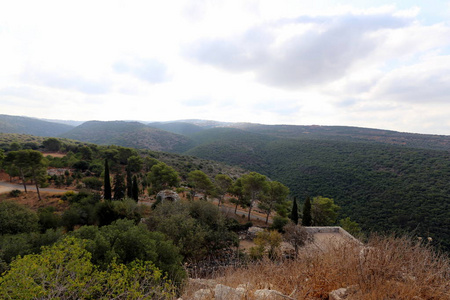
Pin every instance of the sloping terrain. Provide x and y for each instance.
(129, 134)
(382, 187)
(182, 128)
(351, 134)
(25, 125)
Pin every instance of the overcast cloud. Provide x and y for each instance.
(379, 64)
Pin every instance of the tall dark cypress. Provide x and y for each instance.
(129, 183)
(107, 183)
(135, 189)
(294, 212)
(307, 218)
(119, 187)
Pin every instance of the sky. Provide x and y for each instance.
(377, 64)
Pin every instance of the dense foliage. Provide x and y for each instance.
(197, 228)
(65, 271)
(381, 187)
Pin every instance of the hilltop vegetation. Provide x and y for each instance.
(382, 187)
(128, 134)
(384, 180)
(25, 125)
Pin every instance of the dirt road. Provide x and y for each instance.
(6, 187)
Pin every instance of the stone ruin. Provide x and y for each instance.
(168, 195)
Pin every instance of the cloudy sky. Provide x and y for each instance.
(379, 64)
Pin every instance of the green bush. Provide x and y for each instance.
(197, 228)
(48, 218)
(15, 218)
(64, 271)
(15, 193)
(124, 242)
(278, 223)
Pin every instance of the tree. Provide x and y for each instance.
(65, 271)
(29, 164)
(15, 218)
(123, 241)
(149, 162)
(267, 239)
(93, 183)
(107, 182)
(129, 183)
(135, 163)
(15, 146)
(52, 144)
(350, 226)
(294, 212)
(86, 153)
(306, 214)
(200, 182)
(223, 184)
(241, 198)
(275, 195)
(135, 189)
(297, 236)
(323, 211)
(162, 177)
(254, 185)
(119, 187)
(197, 227)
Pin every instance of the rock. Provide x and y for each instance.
(266, 294)
(203, 294)
(223, 292)
(344, 293)
(338, 294)
(252, 231)
(168, 195)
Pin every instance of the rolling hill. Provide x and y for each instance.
(383, 187)
(384, 180)
(128, 134)
(25, 125)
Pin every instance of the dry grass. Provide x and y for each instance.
(387, 268)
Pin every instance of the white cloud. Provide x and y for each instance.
(288, 61)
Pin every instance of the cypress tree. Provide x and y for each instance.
(307, 219)
(294, 212)
(135, 189)
(129, 183)
(119, 187)
(107, 183)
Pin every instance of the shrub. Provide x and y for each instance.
(93, 183)
(64, 271)
(278, 223)
(124, 242)
(15, 193)
(197, 228)
(48, 218)
(15, 218)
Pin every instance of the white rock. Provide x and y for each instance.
(223, 292)
(203, 294)
(268, 295)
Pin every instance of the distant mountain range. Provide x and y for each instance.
(26, 125)
(382, 179)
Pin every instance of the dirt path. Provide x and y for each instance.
(6, 187)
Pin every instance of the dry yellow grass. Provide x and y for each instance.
(387, 268)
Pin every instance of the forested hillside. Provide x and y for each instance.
(129, 134)
(24, 125)
(384, 180)
(382, 187)
(351, 134)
